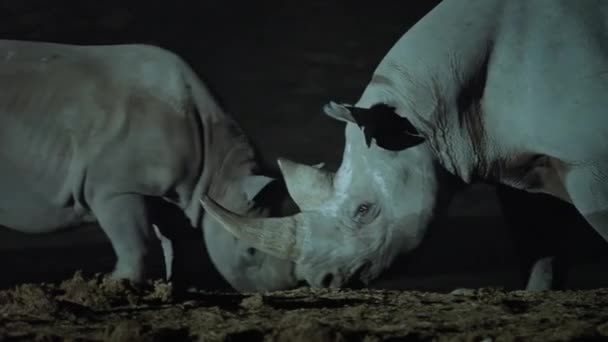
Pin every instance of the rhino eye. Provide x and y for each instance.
(365, 213)
(362, 209)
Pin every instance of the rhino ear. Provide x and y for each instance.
(339, 112)
(252, 185)
(381, 123)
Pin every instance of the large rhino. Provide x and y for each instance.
(95, 133)
(511, 92)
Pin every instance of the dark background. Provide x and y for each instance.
(273, 64)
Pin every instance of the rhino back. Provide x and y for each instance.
(83, 121)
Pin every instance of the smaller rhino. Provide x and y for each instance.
(94, 133)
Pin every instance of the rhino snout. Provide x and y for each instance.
(323, 279)
(340, 279)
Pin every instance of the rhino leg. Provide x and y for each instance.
(125, 221)
(186, 260)
(541, 275)
(587, 187)
(540, 226)
(168, 253)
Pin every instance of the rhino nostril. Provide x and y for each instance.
(327, 279)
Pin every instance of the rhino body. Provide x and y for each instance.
(92, 133)
(507, 92)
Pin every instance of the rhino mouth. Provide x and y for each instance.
(360, 278)
(364, 272)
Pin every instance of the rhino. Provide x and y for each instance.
(505, 92)
(96, 133)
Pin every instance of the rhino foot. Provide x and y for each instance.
(120, 273)
(124, 219)
(129, 270)
(541, 277)
(462, 291)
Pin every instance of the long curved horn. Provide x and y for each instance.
(309, 186)
(275, 236)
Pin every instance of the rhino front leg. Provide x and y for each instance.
(541, 275)
(186, 260)
(540, 226)
(587, 187)
(168, 253)
(124, 219)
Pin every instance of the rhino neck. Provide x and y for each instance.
(459, 143)
(228, 170)
(455, 135)
(228, 155)
(229, 158)
(435, 76)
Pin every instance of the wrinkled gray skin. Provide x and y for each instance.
(512, 92)
(89, 133)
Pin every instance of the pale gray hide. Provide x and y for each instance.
(513, 92)
(87, 133)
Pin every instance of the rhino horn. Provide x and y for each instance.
(275, 236)
(309, 186)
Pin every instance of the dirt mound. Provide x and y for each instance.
(100, 309)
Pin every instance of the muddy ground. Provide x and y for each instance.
(99, 309)
(273, 64)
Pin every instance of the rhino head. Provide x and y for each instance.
(243, 266)
(354, 222)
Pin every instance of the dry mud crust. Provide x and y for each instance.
(98, 309)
